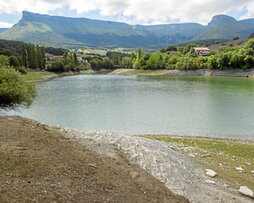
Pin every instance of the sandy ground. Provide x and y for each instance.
(39, 164)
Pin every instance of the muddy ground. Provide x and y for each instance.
(39, 164)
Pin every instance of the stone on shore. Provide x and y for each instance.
(239, 169)
(246, 191)
(210, 173)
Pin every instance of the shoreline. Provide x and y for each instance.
(234, 73)
(181, 173)
(180, 163)
(200, 72)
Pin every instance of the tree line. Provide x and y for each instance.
(180, 57)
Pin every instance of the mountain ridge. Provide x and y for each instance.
(60, 31)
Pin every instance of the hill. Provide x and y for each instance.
(82, 32)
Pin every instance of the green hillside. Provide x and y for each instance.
(82, 32)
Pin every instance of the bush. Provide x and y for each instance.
(56, 66)
(14, 89)
(4, 60)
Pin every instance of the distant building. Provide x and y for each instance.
(202, 51)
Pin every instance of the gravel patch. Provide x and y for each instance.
(164, 162)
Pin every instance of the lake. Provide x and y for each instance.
(186, 105)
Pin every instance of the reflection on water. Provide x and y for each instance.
(201, 106)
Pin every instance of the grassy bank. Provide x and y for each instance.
(220, 155)
(40, 76)
(35, 76)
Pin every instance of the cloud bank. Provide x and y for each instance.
(5, 25)
(138, 11)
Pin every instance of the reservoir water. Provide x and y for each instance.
(195, 106)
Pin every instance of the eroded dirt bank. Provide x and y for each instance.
(39, 164)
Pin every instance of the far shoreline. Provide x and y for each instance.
(235, 73)
(201, 72)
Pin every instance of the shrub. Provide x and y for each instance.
(14, 89)
(56, 66)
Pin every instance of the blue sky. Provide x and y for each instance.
(129, 11)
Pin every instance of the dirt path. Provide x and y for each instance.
(164, 162)
(39, 164)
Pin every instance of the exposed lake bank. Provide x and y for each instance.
(96, 156)
(44, 76)
(180, 173)
(39, 164)
(201, 72)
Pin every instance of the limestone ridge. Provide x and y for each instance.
(80, 32)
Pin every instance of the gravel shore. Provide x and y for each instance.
(164, 162)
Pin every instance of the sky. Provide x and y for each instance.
(145, 12)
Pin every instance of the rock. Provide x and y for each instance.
(205, 155)
(210, 173)
(92, 165)
(210, 182)
(252, 172)
(239, 169)
(246, 191)
(191, 155)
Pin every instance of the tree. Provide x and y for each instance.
(14, 62)
(75, 59)
(127, 62)
(39, 57)
(56, 66)
(24, 55)
(14, 89)
(137, 61)
(95, 64)
(43, 56)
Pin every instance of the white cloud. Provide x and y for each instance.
(5, 25)
(139, 11)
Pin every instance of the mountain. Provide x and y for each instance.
(3, 29)
(226, 27)
(82, 32)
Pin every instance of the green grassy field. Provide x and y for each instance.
(220, 155)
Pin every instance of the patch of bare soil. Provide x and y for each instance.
(39, 164)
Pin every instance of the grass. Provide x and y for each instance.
(220, 155)
(84, 71)
(37, 76)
